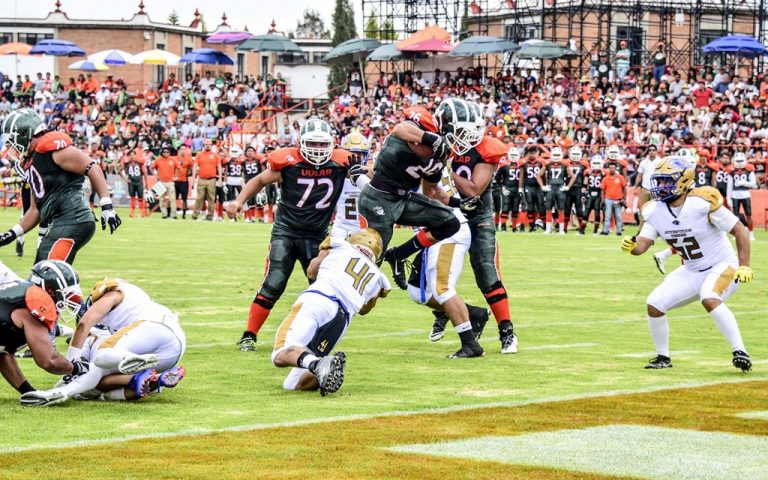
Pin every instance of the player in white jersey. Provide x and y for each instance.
(347, 281)
(346, 220)
(694, 222)
(432, 282)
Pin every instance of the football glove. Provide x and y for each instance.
(743, 274)
(225, 189)
(628, 244)
(440, 149)
(261, 199)
(11, 235)
(564, 188)
(504, 191)
(546, 188)
(356, 171)
(149, 196)
(109, 216)
(470, 204)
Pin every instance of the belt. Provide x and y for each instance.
(333, 298)
(207, 178)
(704, 270)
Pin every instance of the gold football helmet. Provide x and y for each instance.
(673, 176)
(355, 143)
(368, 239)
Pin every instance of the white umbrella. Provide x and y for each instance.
(156, 57)
(111, 57)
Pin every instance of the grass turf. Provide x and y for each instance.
(577, 302)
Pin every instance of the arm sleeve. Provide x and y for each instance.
(648, 232)
(723, 219)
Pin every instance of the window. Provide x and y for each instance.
(519, 32)
(188, 66)
(317, 57)
(28, 38)
(48, 36)
(241, 64)
(6, 37)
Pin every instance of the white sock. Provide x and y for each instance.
(83, 383)
(659, 328)
(549, 227)
(561, 227)
(463, 327)
(308, 358)
(726, 323)
(666, 253)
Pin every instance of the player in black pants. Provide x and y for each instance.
(594, 192)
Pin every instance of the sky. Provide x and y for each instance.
(256, 14)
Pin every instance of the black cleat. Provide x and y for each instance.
(329, 372)
(659, 361)
(398, 268)
(741, 360)
(469, 350)
(19, 249)
(478, 317)
(438, 328)
(247, 342)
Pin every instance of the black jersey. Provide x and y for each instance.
(14, 296)
(512, 180)
(251, 168)
(594, 181)
(135, 172)
(531, 170)
(578, 170)
(556, 173)
(399, 170)
(703, 175)
(234, 169)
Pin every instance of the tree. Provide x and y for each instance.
(344, 29)
(388, 30)
(371, 29)
(173, 17)
(311, 26)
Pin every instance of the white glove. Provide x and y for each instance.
(564, 188)
(261, 199)
(149, 196)
(546, 188)
(504, 191)
(225, 188)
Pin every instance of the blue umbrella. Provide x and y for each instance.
(111, 57)
(58, 48)
(741, 45)
(207, 56)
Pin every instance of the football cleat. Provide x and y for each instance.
(329, 372)
(469, 350)
(171, 378)
(438, 328)
(19, 248)
(64, 331)
(741, 360)
(398, 268)
(143, 383)
(247, 342)
(26, 353)
(660, 263)
(42, 398)
(478, 317)
(659, 361)
(508, 340)
(136, 363)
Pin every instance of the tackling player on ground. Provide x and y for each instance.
(694, 222)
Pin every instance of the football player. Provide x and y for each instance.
(556, 173)
(741, 179)
(706, 171)
(143, 336)
(594, 192)
(497, 187)
(347, 281)
(412, 155)
(473, 164)
(135, 174)
(694, 222)
(312, 178)
(252, 167)
(614, 157)
(55, 170)
(28, 312)
(532, 192)
(512, 188)
(574, 200)
(234, 169)
(347, 221)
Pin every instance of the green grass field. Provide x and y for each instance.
(578, 308)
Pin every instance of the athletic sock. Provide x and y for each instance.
(258, 314)
(726, 323)
(504, 324)
(498, 302)
(305, 359)
(465, 332)
(666, 253)
(659, 328)
(415, 244)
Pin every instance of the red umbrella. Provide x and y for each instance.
(431, 45)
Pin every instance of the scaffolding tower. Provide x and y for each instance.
(396, 20)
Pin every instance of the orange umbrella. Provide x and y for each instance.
(15, 48)
(427, 33)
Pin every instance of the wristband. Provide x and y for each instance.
(17, 230)
(73, 353)
(105, 201)
(454, 202)
(429, 139)
(90, 166)
(362, 181)
(25, 388)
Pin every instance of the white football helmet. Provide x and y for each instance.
(235, 151)
(613, 152)
(739, 160)
(316, 142)
(556, 154)
(575, 153)
(513, 155)
(596, 162)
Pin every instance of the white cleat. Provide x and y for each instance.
(136, 363)
(660, 263)
(752, 236)
(65, 331)
(42, 398)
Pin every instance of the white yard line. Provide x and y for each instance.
(313, 421)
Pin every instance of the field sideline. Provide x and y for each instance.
(578, 307)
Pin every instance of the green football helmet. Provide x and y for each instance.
(18, 129)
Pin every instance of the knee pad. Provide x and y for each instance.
(495, 293)
(446, 229)
(263, 301)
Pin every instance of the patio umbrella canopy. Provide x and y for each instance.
(207, 56)
(88, 66)
(156, 57)
(15, 48)
(385, 53)
(427, 33)
(483, 45)
(741, 45)
(350, 51)
(111, 57)
(431, 45)
(545, 50)
(229, 37)
(58, 48)
(269, 43)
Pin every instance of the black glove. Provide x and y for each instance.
(355, 171)
(441, 150)
(470, 204)
(10, 235)
(109, 217)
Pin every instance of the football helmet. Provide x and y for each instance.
(575, 153)
(596, 162)
(556, 154)
(235, 151)
(461, 123)
(355, 143)
(513, 155)
(61, 282)
(368, 241)
(316, 142)
(613, 152)
(739, 160)
(673, 176)
(18, 129)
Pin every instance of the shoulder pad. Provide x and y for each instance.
(326, 243)
(750, 167)
(711, 195)
(649, 208)
(283, 157)
(103, 287)
(52, 142)
(341, 157)
(41, 305)
(714, 166)
(492, 149)
(422, 117)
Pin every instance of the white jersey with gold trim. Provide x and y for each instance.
(346, 220)
(136, 305)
